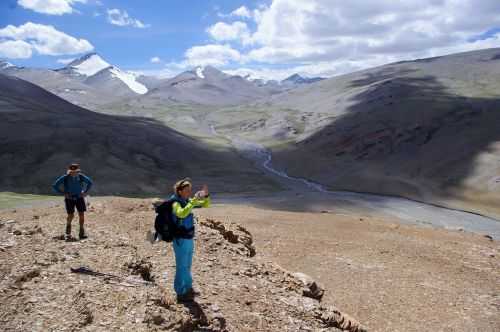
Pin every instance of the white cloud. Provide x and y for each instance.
(45, 39)
(158, 73)
(15, 49)
(121, 18)
(168, 70)
(212, 54)
(242, 12)
(221, 31)
(51, 7)
(326, 30)
(491, 42)
(331, 37)
(261, 73)
(65, 61)
(155, 59)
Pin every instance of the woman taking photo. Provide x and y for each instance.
(184, 244)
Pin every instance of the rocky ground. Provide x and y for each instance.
(115, 280)
(391, 277)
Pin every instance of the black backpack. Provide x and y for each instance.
(165, 226)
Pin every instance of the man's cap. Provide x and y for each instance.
(74, 167)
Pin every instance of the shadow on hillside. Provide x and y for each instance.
(405, 135)
(41, 134)
(382, 74)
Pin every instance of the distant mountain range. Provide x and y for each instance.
(427, 129)
(296, 79)
(92, 82)
(88, 81)
(205, 86)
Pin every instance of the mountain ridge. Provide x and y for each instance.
(41, 133)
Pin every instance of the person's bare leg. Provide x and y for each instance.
(81, 218)
(69, 219)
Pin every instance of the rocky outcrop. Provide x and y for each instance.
(309, 287)
(115, 280)
(233, 233)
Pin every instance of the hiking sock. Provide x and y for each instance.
(68, 229)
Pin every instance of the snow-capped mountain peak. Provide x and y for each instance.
(199, 72)
(208, 72)
(88, 65)
(129, 79)
(5, 64)
(99, 73)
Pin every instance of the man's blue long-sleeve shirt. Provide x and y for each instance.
(73, 186)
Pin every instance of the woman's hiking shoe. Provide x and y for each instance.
(82, 235)
(193, 292)
(187, 297)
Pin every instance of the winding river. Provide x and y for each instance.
(405, 210)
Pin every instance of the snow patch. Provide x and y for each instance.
(5, 64)
(83, 92)
(91, 66)
(129, 80)
(199, 72)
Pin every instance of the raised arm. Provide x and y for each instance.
(201, 202)
(182, 212)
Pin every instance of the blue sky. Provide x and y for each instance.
(175, 27)
(263, 38)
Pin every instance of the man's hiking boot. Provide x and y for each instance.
(67, 235)
(82, 235)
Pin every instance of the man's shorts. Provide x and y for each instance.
(79, 203)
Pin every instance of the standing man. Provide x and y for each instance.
(75, 188)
